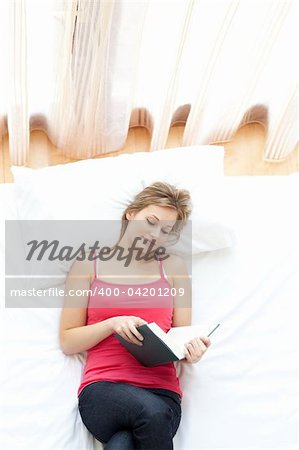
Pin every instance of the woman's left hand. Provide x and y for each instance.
(196, 348)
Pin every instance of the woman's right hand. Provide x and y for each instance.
(125, 326)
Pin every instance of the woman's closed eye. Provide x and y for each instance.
(151, 223)
(155, 223)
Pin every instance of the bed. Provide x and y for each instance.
(243, 393)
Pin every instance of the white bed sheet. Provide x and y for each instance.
(243, 393)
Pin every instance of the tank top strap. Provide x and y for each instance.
(96, 272)
(95, 267)
(162, 271)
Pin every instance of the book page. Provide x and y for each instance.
(172, 343)
(184, 334)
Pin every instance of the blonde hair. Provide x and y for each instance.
(161, 194)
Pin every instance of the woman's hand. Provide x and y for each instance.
(196, 348)
(125, 326)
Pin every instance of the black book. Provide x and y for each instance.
(159, 347)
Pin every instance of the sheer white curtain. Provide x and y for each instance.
(249, 72)
(87, 70)
(98, 54)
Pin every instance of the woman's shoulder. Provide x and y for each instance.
(83, 266)
(173, 261)
(174, 265)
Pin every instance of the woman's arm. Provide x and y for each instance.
(182, 314)
(178, 275)
(78, 339)
(75, 336)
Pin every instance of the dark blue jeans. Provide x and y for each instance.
(126, 417)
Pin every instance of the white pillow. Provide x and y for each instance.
(101, 188)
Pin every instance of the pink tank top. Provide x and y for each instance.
(109, 360)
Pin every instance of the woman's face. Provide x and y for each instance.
(152, 224)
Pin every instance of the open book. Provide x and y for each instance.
(160, 347)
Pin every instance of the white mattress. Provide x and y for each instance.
(241, 395)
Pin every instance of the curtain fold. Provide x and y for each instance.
(164, 114)
(95, 82)
(254, 67)
(84, 71)
(18, 117)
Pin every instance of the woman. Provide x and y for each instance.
(122, 403)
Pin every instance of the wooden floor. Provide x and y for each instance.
(243, 155)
